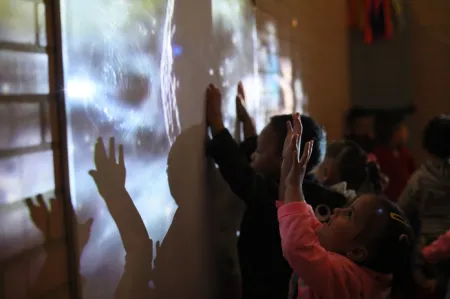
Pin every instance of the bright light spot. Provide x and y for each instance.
(6, 88)
(211, 72)
(294, 23)
(80, 89)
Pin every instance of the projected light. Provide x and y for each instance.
(124, 64)
(80, 89)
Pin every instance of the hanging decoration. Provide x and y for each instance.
(376, 19)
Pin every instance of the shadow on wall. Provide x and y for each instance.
(174, 260)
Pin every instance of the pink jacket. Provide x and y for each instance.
(438, 250)
(323, 274)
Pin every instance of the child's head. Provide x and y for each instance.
(436, 139)
(346, 161)
(391, 129)
(359, 122)
(373, 233)
(268, 155)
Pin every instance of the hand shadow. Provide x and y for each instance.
(50, 221)
(110, 176)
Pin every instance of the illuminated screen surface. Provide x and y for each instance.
(137, 71)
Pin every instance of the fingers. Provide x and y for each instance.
(121, 159)
(293, 144)
(41, 202)
(240, 90)
(29, 203)
(99, 152)
(298, 128)
(239, 101)
(306, 154)
(112, 150)
(56, 205)
(289, 127)
(212, 89)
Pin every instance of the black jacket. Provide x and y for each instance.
(265, 272)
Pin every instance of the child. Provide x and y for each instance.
(364, 251)
(425, 199)
(359, 128)
(394, 158)
(347, 166)
(264, 271)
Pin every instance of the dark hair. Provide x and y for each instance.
(436, 137)
(394, 248)
(386, 123)
(354, 113)
(353, 167)
(311, 131)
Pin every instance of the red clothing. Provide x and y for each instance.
(398, 166)
(438, 250)
(323, 274)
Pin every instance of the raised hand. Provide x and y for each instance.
(291, 142)
(40, 214)
(214, 109)
(109, 174)
(50, 220)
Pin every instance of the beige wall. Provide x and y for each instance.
(430, 63)
(319, 49)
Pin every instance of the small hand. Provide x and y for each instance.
(49, 220)
(40, 214)
(214, 109)
(110, 174)
(241, 111)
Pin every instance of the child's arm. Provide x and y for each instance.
(233, 164)
(439, 249)
(236, 170)
(319, 269)
(248, 146)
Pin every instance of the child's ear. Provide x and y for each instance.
(358, 254)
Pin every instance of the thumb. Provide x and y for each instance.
(89, 223)
(94, 175)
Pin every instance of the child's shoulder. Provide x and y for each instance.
(369, 283)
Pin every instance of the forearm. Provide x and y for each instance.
(127, 218)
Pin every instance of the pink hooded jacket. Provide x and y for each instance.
(438, 250)
(323, 274)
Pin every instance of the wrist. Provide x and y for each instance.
(293, 194)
